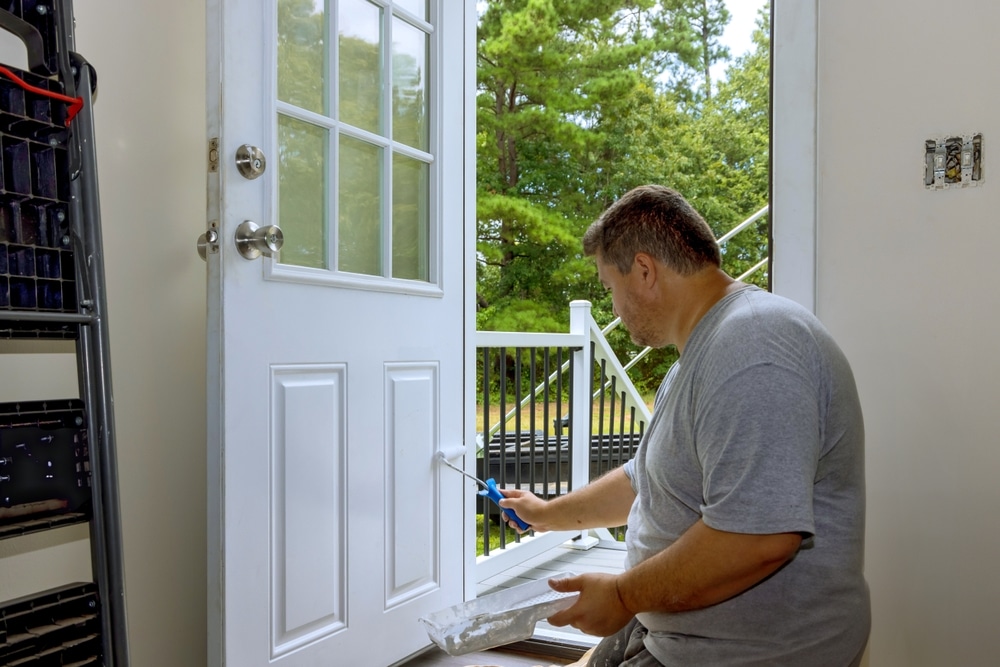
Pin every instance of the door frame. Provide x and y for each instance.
(469, 80)
(794, 150)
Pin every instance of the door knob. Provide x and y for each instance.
(253, 241)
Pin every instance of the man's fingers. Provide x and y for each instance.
(558, 619)
(565, 584)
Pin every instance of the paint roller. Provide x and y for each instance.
(490, 489)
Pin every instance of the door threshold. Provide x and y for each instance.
(554, 645)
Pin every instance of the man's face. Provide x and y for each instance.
(626, 296)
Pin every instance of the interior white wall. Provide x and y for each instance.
(904, 279)
(150, 139)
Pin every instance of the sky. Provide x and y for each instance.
(743, 14)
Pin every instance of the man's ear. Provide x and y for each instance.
(646, 267)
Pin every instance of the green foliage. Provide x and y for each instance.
(549, 72)
(736, 123)
(707, 19)
(581, 100)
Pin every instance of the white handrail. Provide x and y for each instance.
(516, 339)
(743, 225)
(573, 339)
(754, 268)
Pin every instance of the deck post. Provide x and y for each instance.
(579, 324)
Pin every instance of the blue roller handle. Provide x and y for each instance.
(494, 494)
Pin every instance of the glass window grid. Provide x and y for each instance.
(390, 148)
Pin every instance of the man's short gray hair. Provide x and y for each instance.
(656, 220)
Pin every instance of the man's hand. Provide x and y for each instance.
(598, 611)
(526, 505)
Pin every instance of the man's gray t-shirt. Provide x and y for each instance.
(758, 429)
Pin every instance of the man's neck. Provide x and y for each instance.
(706, 288)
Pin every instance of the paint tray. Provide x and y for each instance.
(496, 619)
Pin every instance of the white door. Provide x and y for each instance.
(337, 364)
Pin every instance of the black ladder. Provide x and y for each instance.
(57, 457)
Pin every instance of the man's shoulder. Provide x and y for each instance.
(758, 311)
(757, 298)
(761, 327)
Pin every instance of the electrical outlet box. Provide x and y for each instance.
(955, 161)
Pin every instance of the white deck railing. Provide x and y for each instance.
(548, 460)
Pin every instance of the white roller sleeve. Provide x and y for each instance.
(449, 453)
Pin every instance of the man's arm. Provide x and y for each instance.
(604, 502)
(703, 567)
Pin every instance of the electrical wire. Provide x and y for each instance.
(75, 103)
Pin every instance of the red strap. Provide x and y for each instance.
(75, 103)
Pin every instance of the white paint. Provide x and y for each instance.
(309, 502)
(361, 380)
(411, 392)
(503, 617)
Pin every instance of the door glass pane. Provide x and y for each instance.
(336, 207)
(302, 160)
(410, 218)
(409, 84)
(360, 214)
(302, 54)
(360, 82)
(416, 7)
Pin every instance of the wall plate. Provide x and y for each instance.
(954, 161)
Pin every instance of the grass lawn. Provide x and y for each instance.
(540, 421)
(494, 535)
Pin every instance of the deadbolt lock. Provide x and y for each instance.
(250, 161)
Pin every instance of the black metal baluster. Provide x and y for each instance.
(502, 473)
(546, 389)
(621, 434)
(486, 448)
(532, 382)
(613, 405)
(559, 436)
(517, 417)
(572, 413)
(517, 429)
(600, 418)
(631, 436)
